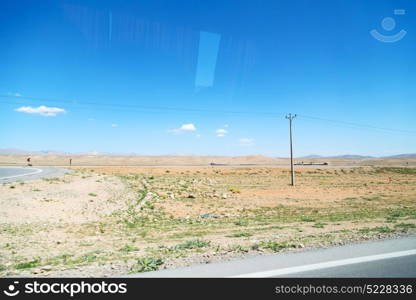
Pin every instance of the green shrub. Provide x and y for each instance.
(241, 223)
(405, 225)
(146, 264)
(28, 264)
(128, 248)
(234, 190)
(191, 244)
(275, 246)
(240, 234)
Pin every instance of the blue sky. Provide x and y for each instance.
(207, 77)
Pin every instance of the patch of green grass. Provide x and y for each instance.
(238, 248)
(89, 257)
(393, 216)
(241, 222)
(240, 234)
(275, 246)
(12, 187)
(319, 225)
(268, 228)
(59, 259)
(148, 205)
(391, 219)
(146, 264)
(371, 198)
(407, 171)
(191, 244)
(85, 244)
(397, 214)
(92, 195)
(86, 258)
(384, 229)
(52, 180)
(28, 265)
(307, 219)
(128, 248)
(179, 235)
(405, 225)
(36, 190)
(48, 200)
(379, 229)
(255, 246)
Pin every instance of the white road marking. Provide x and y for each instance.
(329, 264)
(25, 174)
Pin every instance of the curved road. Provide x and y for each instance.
(10, 174)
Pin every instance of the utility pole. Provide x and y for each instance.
(290, 117)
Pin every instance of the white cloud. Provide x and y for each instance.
(41, 110)
(246, 142)
(114, 125)
(184, 128)
(221, 132)
(188, 127)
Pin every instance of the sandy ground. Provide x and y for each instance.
(69, 198)
(98, 221)
(262, 187)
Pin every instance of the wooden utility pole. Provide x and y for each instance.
(290, 117)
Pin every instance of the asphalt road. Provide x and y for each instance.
(385, 258)
(11, 174)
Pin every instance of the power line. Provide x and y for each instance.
(145, 107)
(269, 114)
(357, 124)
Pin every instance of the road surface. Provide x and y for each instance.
(10, 174)
(385, 258)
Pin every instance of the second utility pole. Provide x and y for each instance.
(290, 117)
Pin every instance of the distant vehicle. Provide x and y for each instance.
(214, 164)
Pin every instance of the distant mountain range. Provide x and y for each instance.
(14, 151)
(409, 155)
(353, 156)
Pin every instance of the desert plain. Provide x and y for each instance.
(115, 215)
